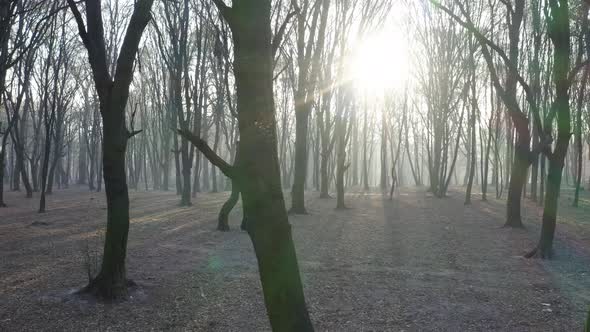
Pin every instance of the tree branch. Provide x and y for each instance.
(139, 20)
(202, 146)
(80, 23)
(484, 41)
(224, 10)
(276, 41)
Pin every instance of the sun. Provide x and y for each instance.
(381, 63)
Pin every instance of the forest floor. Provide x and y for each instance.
(416, 263)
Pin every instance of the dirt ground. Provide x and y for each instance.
(416, 263)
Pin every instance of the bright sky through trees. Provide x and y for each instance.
(381, 62)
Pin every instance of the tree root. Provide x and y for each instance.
(510, 224)
(223, 227)
(100, 290)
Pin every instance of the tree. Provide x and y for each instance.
(473, 118)
(4, 133)
(231, 202)
(523, 156)
(558, 29)
(176, 58)
(113, 93)
(584, 36)
(16, 18)
(258, 172)
(55, 95)
(308, 61)
(444, 84)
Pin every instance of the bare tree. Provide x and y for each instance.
(258, 172)
(113, 93)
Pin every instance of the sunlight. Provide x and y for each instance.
(381, 63)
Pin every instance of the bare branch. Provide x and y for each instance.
(276, 41)
(139, 20)
(79, 22)
(485, 42)
(223, 9)
(215, 159)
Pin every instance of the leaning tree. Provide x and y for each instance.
(258, 172)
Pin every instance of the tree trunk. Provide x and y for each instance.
(473, 137)
(53, 167)
(365, 153)
(383, 179)
(340, 170)
(185, 199)
(578, 138)
(214, 188)
(20, 165)
(535, 169)
(223, 224)
(341, 167)
(559, 32)
(393, 183)
(82, 160)
(486, 166)
(301, 130)
(545, 246)
(542, 180)
(196, 182)
(99, 175)
(324, 179)
(473, 155)
(260, 183)
(111, 281)
(517, 180)
(45, 169)
(2, 166)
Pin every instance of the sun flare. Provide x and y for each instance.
(381, 63)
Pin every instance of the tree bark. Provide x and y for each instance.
(111, 282)
(223, 224)
(45, 167)
(302, 113)
(473, 137)
(558, 29)
(259, 180)
(3, 144)
(518, 177)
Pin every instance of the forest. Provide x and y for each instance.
(294, 165)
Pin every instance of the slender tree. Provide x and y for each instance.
(309, 52)
(558, 29)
